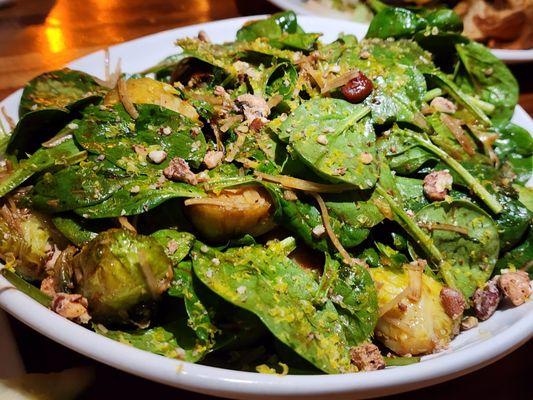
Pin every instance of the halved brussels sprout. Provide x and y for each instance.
(411, 326)
(122, 275)
(150, 91)
(27, 240)
(232, 213)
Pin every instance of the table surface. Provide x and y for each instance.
(41, 35)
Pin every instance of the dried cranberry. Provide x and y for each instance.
(357, 89)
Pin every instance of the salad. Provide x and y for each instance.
(276, 204)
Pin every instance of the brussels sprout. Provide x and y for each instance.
(150, 91)
(27, 240)
(232, 213)
(122, 275)
(411, 327)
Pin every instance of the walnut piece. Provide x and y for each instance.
(71, 306)
(515, 286)
(178, 170)
(367, 357)
(437, 184)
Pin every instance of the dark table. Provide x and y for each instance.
(41, 35)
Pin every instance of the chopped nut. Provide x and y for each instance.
(101, 157)
(486, 300)
(213, 158)
(48, 286)
(289, 195)
(365, 157)
(172, 246)
(135, 189)
(364, 54)
(444, 105)
(322, 139)
(140, 150)
(318, 231)
(253, 107)
(452, 301)
(178, 170)
(469, 323)
(367, 357)
(515, 286)
(202, 35)
(71, 306)
(157, 156)
(437, 184)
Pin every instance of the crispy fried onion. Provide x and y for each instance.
(124, 223)
(122, 89)
(347, 258)
(300, 184)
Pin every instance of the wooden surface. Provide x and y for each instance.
(40, 35)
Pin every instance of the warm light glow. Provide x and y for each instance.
(54, 35)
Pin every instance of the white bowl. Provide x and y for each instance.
(471, 350)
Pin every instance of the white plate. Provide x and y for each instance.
(314, 8)
(493, 339)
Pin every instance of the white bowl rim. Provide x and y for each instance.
(247, 385)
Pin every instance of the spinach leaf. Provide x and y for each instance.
(490, 79)
(267, 283)
(63, 89)
(281, 29)
(43, 159)
(138, 195)
(174, 340)
(520, 257)
(77, 186)
(74, 229)
(395, 22)
(468, 239)
(176, 244)
(326, 135)
(126, 142)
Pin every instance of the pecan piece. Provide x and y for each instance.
(515, 286)
(178, 170)
(437, 184)
(71, 306)
(486, 300)
(453, 302)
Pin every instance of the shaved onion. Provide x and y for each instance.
(384, 309)
(443, 227)
(301, 184)
(8, 119)
(230, 121)
(217, 202)
(454, 125)
(487, 139)
(148, 275)
(414, 273)
(338, 81)
(347, 258)
(235, 147)
(107, 71)
(274, 101)
(124, 223)
(216, 132)
(124, 98)
(57, 140)
(313, 74)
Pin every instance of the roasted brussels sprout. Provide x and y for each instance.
(150, 91)
(410, 326)
(122, 275)
(232, 213)
(27, 240)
